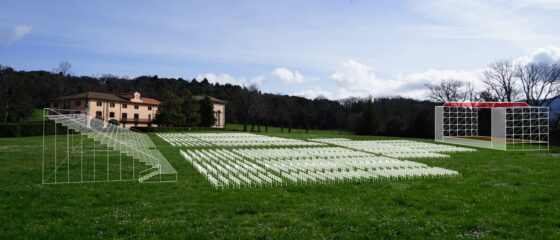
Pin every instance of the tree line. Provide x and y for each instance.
(256, 111)
(22, 91)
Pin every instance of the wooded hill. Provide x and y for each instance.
(22, 91)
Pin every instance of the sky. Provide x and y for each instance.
(334, 49)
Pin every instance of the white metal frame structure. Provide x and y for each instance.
(514, 126)
(87, 149)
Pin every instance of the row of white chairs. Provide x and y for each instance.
(252, 167)
(230, 140)
(430, 147)
(300, 153)
(181, 140)
(401, 149)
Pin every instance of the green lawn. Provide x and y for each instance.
(500, 195)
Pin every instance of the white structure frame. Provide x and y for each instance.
(94, 150)
(514, 126)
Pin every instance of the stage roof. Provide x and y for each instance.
(485, 104)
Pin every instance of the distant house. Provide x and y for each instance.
(219, 110)
(128, 109)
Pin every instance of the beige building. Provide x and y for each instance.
(219, 110)
(128, 109)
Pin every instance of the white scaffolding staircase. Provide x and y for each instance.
(126, 141)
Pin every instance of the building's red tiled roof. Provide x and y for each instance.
(108, 97)
(145, 100)
(126, 95)
(485, 104)
(151, 101)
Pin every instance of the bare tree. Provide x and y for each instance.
(486, 96)
(3, 67)
(64, 68)
(449, 90)
(470, 93)
(499, 79)
(247, 98)
(106, 77)
(540, 82)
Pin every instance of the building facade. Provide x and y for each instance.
(219, 107)
(127, 109)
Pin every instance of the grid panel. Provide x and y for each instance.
(460, 121)
(527, 128)
(512, 128)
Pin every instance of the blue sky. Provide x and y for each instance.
(308, 48)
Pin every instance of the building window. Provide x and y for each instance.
(150, 108)
(99, 114)
(135, 106)
(112, 104)
(78, 103)
(111, 114)
(136, 116)
(217, 116)
(124, 116)
(124, 105)
(99, 103)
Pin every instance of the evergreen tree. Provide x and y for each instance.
(189, 110)
(170, 110)
(206, 111)
(368, 123)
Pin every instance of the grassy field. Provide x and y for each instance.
(500, 195)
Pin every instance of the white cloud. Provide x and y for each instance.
(357, 79)
(414, 84)
(222, 78)
(360, 79)
(548, 54)
(258, 80)
(17, 33)
(314, 93)
(286, 76)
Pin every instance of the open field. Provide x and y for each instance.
(499, 194)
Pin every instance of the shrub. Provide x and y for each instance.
(29, 129)
(9, 130)
(176, 129)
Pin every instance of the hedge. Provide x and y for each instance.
(36, 129)
(29, 129)
(554, 136)
(176, 129)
